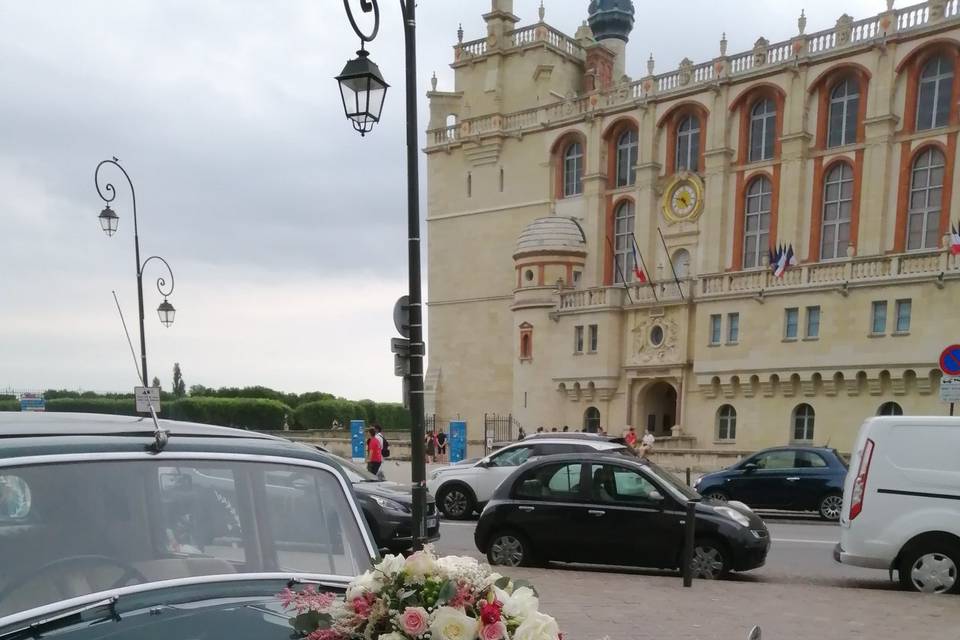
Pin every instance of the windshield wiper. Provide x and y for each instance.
(107, 610)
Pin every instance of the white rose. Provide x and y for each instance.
(392, 636)
(521, 604)
(537, 626)
(448, 623)
(368, 582)
(421, 564)
(391, 565)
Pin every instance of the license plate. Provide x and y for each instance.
(432, 522)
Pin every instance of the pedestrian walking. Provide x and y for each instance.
(442, 446)
(374, 452)
(521, 434)
(631, 437)
(431, 443)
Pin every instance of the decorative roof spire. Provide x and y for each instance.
(802, 22)
(460, 34)
(611, 19)
(542, 11)
(723, 44)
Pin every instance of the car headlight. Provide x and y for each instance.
(696, 483)
(390, 505)
(734, 515)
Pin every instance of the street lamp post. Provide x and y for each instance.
(363, 91)
(108, 222)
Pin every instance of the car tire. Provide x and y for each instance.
(510, 549)
(719, 496)
(931, 566)
(711, 559)
(456, 502)
(831, 507)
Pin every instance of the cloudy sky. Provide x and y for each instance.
(286, 231)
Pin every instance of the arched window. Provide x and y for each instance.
(890, 409)
(627, 153)
(837, 208)
(933, 97)
(756, 224)
(803, 418)
(763, 129)
(526, 341)
(591, 420)
(681, 263)
(726, 423)
(926, 195)
(573, 170)
(688, 144)
(623, 242)
(844, 107)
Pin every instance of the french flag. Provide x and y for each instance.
(637, 269)
(954, 241)
(786, 260)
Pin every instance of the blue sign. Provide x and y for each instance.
(458, 441)
(32, 402)
(358, 441)
(950, 360)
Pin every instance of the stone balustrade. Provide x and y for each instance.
(689, 77)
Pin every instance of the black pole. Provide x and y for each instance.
(689, 530)
(951, 408)
(417, 347)
(688, 476)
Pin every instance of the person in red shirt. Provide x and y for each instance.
(631, 437)
(374, 452)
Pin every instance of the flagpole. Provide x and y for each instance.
(672, 268)
(613, 252)
(646, 271)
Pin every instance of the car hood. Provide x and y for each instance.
(710, 507)
(402, 493)
(239, 610)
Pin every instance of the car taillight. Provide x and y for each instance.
(860, 484)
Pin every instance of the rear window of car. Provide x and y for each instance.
(72, 529)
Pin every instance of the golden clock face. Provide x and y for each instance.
(683, 199)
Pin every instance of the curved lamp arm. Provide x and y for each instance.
(108, 194)
(162, 280)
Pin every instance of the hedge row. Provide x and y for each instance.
(245, 413)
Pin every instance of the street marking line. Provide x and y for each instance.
(799, 541)
(458, 524)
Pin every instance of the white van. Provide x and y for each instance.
(901, 501)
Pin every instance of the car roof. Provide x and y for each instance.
(798, 447)
(568, 435)
(24, 434)
(597, 443)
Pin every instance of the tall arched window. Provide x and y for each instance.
(726, 423)
(688, 144)
(526, 341)
(890, 409)
(623, 242)
(591, 420)
(933, 97)
(573, 170)
(837, 209)
(756, 223)
(803, 419)
(844, 107)
(627, 153)
(926, 195)
(763, 129)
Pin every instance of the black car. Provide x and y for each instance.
(388, 509)
(613, 509)
(790, 478)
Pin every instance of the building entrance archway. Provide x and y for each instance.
(658, 409)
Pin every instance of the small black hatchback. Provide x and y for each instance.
(613, 510)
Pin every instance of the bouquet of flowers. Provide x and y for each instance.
(423, 598)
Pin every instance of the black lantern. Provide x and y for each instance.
(167, 312)
(108, 221)
(363, 91)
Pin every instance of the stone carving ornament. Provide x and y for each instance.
(645, 349)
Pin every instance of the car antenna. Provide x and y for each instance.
(160, 436)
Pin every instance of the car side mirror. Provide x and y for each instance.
(655, 496)
(750, 467)
(755, 634)
(483, 464)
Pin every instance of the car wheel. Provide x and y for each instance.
(931, 567)
(509, 549)
(456, 502)
(831, 507)
(709, 560)
(719, 496)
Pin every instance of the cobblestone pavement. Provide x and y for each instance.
(592, 605)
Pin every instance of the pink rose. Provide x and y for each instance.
(415, 621)
(363, 605)
(496, 631)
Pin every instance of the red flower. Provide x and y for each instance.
(491, 612)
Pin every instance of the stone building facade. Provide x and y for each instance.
(557, 185)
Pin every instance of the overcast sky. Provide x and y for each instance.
(286, 231)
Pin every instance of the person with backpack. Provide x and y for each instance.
(384, 443)
(374, 452)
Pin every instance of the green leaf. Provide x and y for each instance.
(447, 591)
(523, 583)
(306, 622)
(502, 583)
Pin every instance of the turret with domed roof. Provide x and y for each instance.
(611, 22)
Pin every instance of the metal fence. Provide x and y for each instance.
(499, 430)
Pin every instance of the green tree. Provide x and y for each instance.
(179, 386)
(156, 381)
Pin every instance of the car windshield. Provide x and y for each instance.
(73, 529)
(356, 473)
(673, 481)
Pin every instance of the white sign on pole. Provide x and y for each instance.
(950, 389)
(147, 396)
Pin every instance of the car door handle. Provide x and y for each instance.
(793, 479)
(596, 512)
(526, 508)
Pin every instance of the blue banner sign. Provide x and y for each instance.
(458, 441)
(32, 402)
(358, 440)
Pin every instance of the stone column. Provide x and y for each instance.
(793, 207)
(878, 192)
